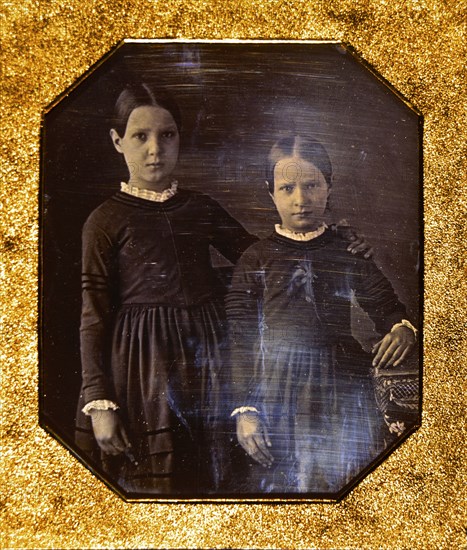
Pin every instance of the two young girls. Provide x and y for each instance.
(304, 402)
(153, 318)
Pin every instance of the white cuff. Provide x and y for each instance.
(99, 405)
(240, 410)
(408, 324)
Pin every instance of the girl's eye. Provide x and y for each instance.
(287, 188)
(141, 136)
(311, 185)
(169, 134)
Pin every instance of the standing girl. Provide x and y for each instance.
(152, 324)
(305, 405)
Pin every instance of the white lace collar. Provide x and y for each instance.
(300, 236)
(148, 194)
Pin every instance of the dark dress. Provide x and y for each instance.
(294, 359)
(152, 336)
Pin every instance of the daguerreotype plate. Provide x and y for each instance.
(206, 333)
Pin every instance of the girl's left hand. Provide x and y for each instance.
(356, 242)
(394, 347)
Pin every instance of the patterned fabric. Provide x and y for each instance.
(397, 395)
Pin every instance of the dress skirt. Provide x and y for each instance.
(166, 370)
(320, 412)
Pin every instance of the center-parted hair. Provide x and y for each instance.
(307, 148)
(141, 94)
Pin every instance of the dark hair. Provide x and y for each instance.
(307, 148)
(140, 95)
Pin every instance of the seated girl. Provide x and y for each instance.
(304, 402)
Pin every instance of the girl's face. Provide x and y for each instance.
(150, 147)
(300, 194)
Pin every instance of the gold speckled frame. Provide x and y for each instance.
(414, 499)
(236, 99)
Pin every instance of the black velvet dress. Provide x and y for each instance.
(152, 336)
(294, 359)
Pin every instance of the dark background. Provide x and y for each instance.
(236, 100)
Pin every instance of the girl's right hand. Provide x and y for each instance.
(253, 437)
(109, 432)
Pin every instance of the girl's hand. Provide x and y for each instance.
(109, 432)
(253, 437)
(357, 243)
(394, 347)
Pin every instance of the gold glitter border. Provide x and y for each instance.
(415, 498)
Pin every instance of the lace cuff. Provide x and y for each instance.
(99, 405)
(240, 410)
(408, 324)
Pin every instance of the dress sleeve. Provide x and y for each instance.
(244, 313)
(376, 296)
(229, 236)
(98, 297)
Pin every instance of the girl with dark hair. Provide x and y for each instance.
(153, 319)
(304, 402)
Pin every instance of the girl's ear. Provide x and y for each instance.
(116, 139)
